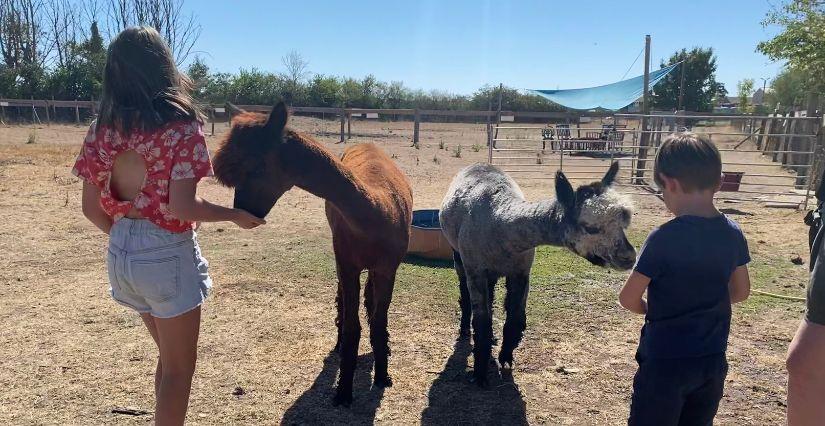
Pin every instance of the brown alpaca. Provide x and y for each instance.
(368, 207)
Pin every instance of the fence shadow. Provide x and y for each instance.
(453, 399)
(314, 406)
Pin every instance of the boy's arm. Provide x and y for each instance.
(185, 204)
(91, 207)
(740, 284)
(631, 295)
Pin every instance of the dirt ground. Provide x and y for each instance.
(69, 354)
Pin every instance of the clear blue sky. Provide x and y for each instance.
(458, 46)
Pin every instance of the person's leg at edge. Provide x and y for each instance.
(178, 339)
(806, 375)
(149, 321)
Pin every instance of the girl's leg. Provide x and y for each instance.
(149, 320)
(806, 375)
(178, 339)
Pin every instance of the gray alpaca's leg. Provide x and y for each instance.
(478, 285)
(350, 332)
(381, 295)
(464, 296)
(515, 304)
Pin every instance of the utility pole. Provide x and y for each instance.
(682, 85)
(645, 136)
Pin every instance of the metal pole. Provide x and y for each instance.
(645, 136)
(682, 85)
(498, 120)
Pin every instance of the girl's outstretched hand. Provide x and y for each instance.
(246, 220)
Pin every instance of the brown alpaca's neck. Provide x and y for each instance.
(319, 172)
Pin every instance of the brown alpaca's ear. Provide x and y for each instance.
(277, 120)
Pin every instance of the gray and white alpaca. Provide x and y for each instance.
(494, 232)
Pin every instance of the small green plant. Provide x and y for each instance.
(539, 160)
(394, 156)
(32, 137)
(436, 160)
(457, 152)
(441, 144)
(476, 147)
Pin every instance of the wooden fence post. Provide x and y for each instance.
(343, 120)
(416, 125)
(212, 118)
(77, 113)
(48, 115)
(349, 126)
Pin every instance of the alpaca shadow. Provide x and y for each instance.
(453, 399)
(314, 406)
(411, 259)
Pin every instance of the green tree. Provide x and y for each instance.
(700, 85)
(323, 91)
(745, 91)
(801, 42)
(198, 72)
(788, 89)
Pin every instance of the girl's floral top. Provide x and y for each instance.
(174, 151)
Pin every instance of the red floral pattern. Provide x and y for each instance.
(175, 151)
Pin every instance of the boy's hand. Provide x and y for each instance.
(246, 220)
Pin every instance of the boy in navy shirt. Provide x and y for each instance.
(693, 268)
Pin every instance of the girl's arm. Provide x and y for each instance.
(740, 284)
(92, 209)
(185, 204)
(631, 295)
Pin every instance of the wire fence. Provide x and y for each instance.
(767, 159)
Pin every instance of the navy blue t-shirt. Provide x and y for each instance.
(689, 261)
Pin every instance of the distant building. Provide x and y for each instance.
(730, 104)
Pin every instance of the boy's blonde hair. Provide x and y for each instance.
(691, 159)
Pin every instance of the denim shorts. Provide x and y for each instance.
(155, 271)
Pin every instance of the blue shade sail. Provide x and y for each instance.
(612, 96)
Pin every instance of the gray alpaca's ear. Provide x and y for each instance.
(564, 191)
(277, 120)
(610, 176)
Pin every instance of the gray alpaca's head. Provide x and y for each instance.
(594, 221)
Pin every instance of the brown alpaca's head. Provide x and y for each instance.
(250, 160)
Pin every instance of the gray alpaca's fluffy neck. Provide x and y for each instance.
(527, 225)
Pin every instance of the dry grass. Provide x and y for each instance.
(69, 353)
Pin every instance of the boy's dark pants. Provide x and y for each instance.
(683, 391)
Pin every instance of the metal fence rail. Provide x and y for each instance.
(766, 159)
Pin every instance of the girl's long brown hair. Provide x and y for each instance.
(142, 87)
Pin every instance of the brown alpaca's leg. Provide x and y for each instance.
(350, 332)
(382, 286)
(369, 298)
(515, 304)
(338, 318)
